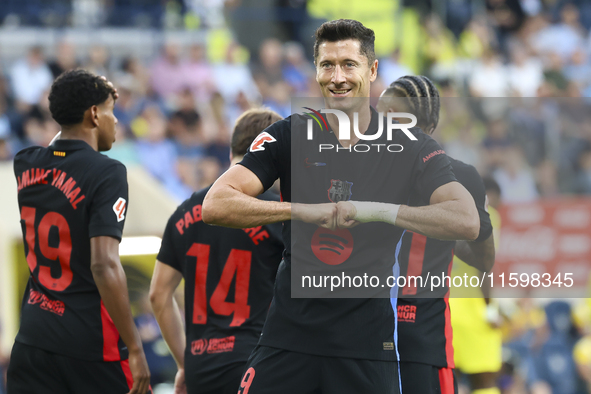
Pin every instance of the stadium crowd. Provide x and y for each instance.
(176, 112)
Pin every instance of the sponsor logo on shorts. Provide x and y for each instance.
(407, 313)
(213, 345)
(388, 345)
(54, 306)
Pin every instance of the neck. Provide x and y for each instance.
(364, 119)
(80, 133)
(235, 160)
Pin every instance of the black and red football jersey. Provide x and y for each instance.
(229, 276)
(362, 328)
(424, 325)
(67, 194)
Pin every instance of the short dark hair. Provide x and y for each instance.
(345, 29)
(250, 124)
(73, 92)
(415, 87)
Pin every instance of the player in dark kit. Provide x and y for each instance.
(312, 345)
(424, 322)
(77, 333)
(229, 276)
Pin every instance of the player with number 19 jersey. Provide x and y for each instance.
(67, 194)
(229, 275)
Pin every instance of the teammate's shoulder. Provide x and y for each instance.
(104, 163)
(280, 127)
(28, 153)
(187, 205)
(463, 169)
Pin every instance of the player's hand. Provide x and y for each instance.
(180, 387)
(345, 215)
(115, 94)
(323, 215)
(139, 371)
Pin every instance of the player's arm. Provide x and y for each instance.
(451, 214)
(164, 283)
(232, 202)
(480, 255)
(165, 280)
(112, 285)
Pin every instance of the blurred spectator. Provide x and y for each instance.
(185, 127)
(524, 73)
(199, 74)
(578, 70)
(30, 77)
(554, 361)
(234, 81)
(390, 69)
(157, 153)
(98, 60)
(515, 178)
(489, 78)
(65, 59)
(563, 38)
(168, 72)
(133, 75)
(267, 71)
(507, 16)
(39, 127)
(495, 144)
(297, 70)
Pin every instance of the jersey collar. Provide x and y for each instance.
(69, 145)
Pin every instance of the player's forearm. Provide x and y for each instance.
(112, 285)
(480, 255)
(448, 220)
(225, 206)
(170, 321)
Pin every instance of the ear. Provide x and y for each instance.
(373, 71)
(94, 115)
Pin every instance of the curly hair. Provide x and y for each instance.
(73, 92)
(345, 29)
(423, 97)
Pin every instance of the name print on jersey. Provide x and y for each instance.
(38, 176)
(256, 234)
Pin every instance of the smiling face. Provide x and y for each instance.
(342, 71)
(106, 124)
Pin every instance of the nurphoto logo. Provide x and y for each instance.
(344, 130)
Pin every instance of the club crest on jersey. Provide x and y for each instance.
(259, 143)
(119, 208)
(339, 190)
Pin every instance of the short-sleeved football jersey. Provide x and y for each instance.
(361, 328)
(67, 194)
(229, 276)
(425, 331)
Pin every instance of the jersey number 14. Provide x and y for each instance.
(238, 264)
